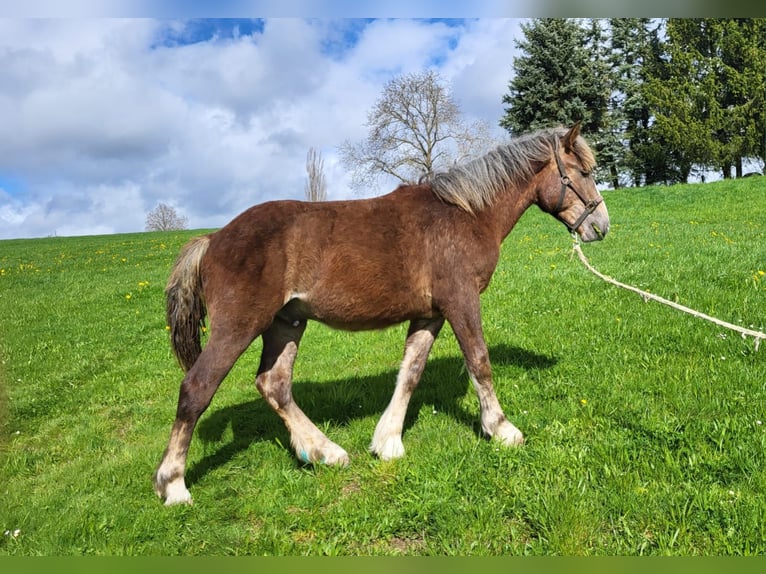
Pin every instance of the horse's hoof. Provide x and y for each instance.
(509, 435)
(331, 455)
(174, 493)
(334, 455)
(390, 449)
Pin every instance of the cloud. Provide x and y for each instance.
(481, 67)
(246, 73)
(390, 47)
(108, 117)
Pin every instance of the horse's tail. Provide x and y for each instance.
(185, 302)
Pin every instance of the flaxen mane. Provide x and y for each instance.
(472, 186)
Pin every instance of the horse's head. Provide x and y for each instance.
(566, 188)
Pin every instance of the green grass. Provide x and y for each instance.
(644, 425)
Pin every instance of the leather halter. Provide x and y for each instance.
(590, 204)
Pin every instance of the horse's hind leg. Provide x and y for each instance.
(197, 390)
(387, 439)
(274, 381)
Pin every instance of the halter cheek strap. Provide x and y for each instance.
(590, 204)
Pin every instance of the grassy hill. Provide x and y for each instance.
(645, 427)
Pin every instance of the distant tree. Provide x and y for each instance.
(165, 218)
(606, 114)
(316, 186)
(738, 53)
(635, 51)
(415, 128)
(707, 95)
(683, 96)
(560, 78)
(555, 81)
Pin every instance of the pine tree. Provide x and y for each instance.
(630, 57)
(682, 97)
(709, 102)
(609, 142)
(659, 98)
(558, 80)
(739, 60)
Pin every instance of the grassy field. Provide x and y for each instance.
(644, 426)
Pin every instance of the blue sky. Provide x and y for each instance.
(207, 29)
(348, 31)
(106, 117)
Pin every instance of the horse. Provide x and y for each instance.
(422, 253)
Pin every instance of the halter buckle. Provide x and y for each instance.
(592, 205)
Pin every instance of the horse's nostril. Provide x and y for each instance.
(598, 231)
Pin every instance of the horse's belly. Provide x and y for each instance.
(356, 313)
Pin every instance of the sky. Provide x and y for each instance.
(101, 119)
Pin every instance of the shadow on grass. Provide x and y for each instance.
(443, 385)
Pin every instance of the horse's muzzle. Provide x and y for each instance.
(595, 226)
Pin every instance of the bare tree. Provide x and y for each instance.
(415, 128)
(165, 218)
(316, 186)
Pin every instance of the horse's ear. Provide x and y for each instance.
(571, 136)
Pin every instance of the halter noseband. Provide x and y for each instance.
(590, 204)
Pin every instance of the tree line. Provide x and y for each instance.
(660, 99)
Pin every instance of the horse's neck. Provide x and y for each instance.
(507, 208)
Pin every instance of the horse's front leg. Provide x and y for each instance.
(274, 381)
(465, 320)
(387, 439)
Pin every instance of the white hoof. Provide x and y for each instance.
(330, 454)
(335, 456)
(177, 493)
(389, 448)
(508, 434)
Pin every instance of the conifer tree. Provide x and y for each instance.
(558, 79)
(708, 102)
(630, 58)
(739, 60)
(684, 99)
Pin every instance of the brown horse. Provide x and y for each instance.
(422, 253)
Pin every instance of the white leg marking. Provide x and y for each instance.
(491, 412)
(387, 439)
(508, 434)
(333, 454)
(176, 493)
(310, 444)
(323, 451)
(173, 462)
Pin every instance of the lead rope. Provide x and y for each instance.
(757, 335)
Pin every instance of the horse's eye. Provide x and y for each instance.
(585, 173)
